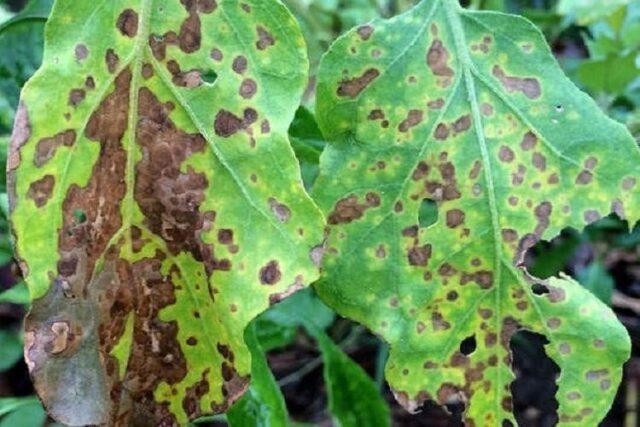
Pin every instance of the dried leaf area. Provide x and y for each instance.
(471, 111)
(164, 193)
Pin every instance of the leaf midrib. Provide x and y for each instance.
(453, 10)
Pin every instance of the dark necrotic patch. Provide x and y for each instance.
(46, 148)
(529, 86)
(86, 241)
(239, 64)
(112, 60)
(76, 96)
(350, 209)
(351, 88)
(270, 274)
(81, 52)
(128, 23)
(280, 210)
(169, 197)
(365, 32)
(228, 124)
(455, 218)
(265, 38)
(248, 88)
(40, 191)
(438, 59)
(414, 118)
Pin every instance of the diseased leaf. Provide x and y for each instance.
(157, 205)
(263, 405)
(470, 110)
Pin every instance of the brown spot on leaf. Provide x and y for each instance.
(81, 52)
(46, 148)
(190, 36)
(349, 209)
(539, 161)
(228, 124)
(419, 255)
(506, 154)
(128, 23)
(169, 197)
(413, 119)
(482, 278)
(529, 141)
(529, 86)
(112, 60)
(248, 88)
(584, 178)
(270, 274)
(436, 104)
(438, 58)
(352, 88)
(455, 218)
(463, 124)
(280, 210)
(438, 323)
(76, 96)
(239, 64)
(365, 32)
(40, 191)
(442, 132)
(265, 38)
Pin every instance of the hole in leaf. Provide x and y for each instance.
(468, 345)
(208, 76)
(432, 414)
(539, 289)
(428, 213)
(79, 216)
(534, 389)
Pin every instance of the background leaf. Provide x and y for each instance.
(263, 405)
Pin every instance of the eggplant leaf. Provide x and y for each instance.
(156, 203)
(471, 111)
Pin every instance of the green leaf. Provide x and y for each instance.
(263, 405)
(307, 142)
(154, 142)
(588, 11)
(21, 40)
(10, 349)
(470, 110)
(302, 309)
(354, 399)
(598, 281)
(27, 412)
(18, 294)
(611, 75)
